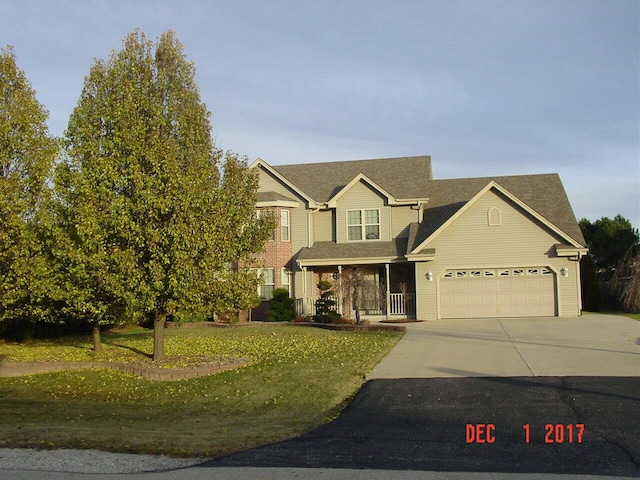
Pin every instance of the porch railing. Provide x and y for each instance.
(402, 304)
(399, 304)
(310, 305)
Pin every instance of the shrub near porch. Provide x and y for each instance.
(297, 379)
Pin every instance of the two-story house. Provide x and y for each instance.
(405, 244)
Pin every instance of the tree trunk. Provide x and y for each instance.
(158, 335)
(97, 344)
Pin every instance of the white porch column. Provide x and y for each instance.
(386, 272)
(304, 291)
(340, 290)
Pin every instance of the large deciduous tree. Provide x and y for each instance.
(27, 153)
(626, 281)
(145, 202)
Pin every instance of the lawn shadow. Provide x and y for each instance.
(113, 340)
(132, 349)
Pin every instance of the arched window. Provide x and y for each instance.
(495, 217)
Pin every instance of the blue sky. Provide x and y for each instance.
(485, 87)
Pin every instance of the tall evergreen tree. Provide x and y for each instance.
(590, 287)
(27, 153)
(609, 240)
(142, 188)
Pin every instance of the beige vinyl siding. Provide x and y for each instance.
(401, 217)
(324, 226)
(361, 197)
(299, 229)
(469, 242)
(268, 183)
(299, 222)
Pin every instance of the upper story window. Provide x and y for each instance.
(284, 225)
(259, 213)
(363, 225)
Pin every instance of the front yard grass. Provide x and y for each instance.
(296, 379)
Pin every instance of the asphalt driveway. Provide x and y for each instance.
(541, 425)
(546, 396)
(591, 345)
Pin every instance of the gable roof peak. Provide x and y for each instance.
(323, 180)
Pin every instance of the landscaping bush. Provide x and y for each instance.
(281, 308)
(325, 305)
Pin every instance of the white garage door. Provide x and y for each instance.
(506, 292)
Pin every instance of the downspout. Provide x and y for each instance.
(579, 283)
(309, 239)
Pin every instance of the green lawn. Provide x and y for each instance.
(297, 378)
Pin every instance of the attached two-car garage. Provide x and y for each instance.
(498, 292)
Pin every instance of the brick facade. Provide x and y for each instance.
(277, 255)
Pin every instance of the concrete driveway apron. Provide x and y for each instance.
(591, 345)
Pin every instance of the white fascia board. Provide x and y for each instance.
(451, 219)
(319, 262)
(420, 257)
(536, 215)
(361, 176)
(278, 203)
(410, 201)
(571, 252)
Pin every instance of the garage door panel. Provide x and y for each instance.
(515, 293)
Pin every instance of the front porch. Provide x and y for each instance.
(378, 291)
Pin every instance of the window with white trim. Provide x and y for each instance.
(284, 225)
(286, 279)
(363, 225)
(259, 214)
(267, 282)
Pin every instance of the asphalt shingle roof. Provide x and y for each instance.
(273, 197)
(348, 251)
(411, 177)
(321, 181)
(543, 193)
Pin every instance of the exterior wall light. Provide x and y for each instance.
(564, 271)
(429, 276)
